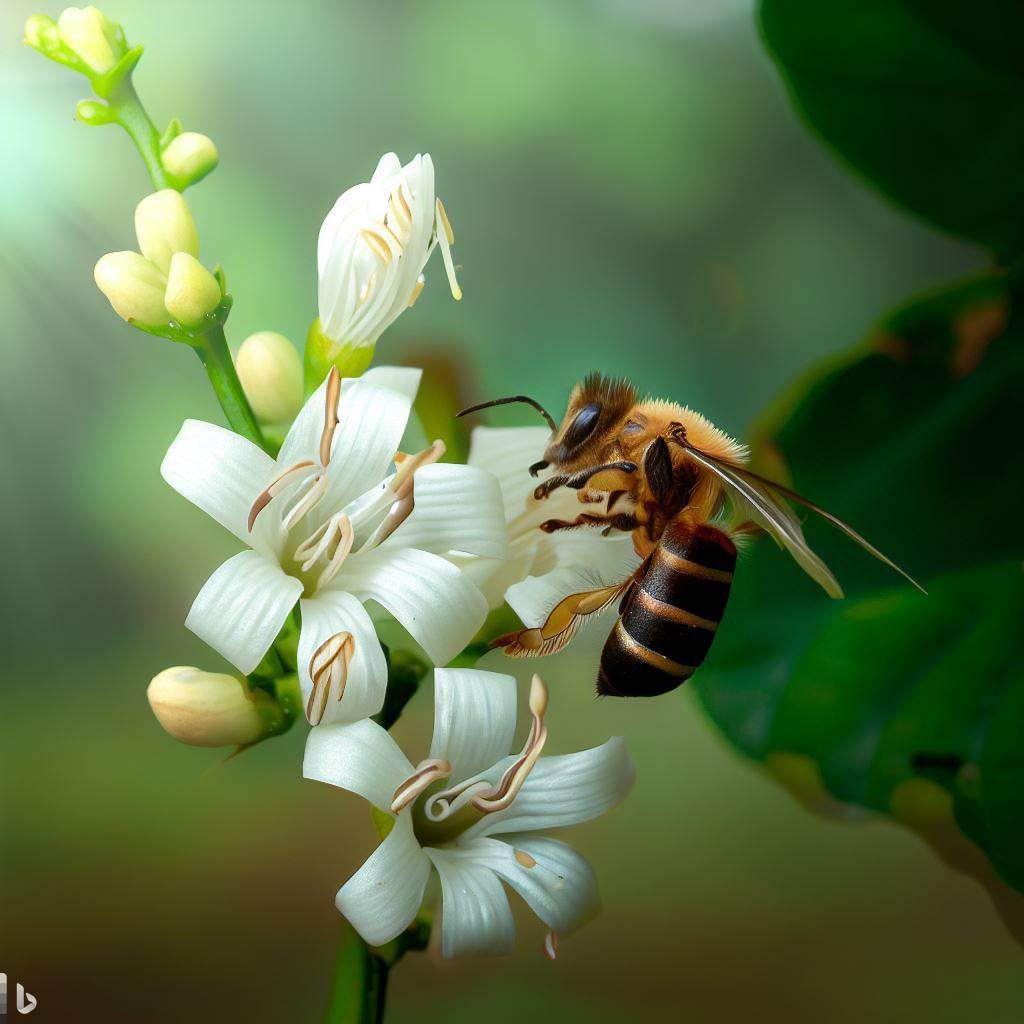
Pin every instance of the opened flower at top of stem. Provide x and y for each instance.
(371, 252)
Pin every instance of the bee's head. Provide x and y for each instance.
(596, 409)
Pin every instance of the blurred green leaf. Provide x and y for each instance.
(924, 97)
(910, 439)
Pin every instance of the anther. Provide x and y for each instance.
(289, 476)
(426, 774)
(446, 238)
(328, 670)
(333, 391)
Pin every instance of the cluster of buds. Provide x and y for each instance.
(163, 289)
(81, 38)
(86, 41)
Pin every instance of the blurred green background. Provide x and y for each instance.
(630, 192)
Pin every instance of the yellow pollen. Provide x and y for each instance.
(525, 859)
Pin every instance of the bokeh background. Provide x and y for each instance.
(630, 192)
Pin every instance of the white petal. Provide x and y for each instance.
(474, 719)
(387, 167)
(323, 616)
(403, 379)
(242, 607)
(476, 919)
(371, 421)
(360, 757)
(222, 473)
(381, 899)
(532, 598)
(560, 887)
(493, 576)
(565, 790)
(429, 596)
(508, 453)
(457, 508)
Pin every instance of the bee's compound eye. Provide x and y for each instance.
(583, 425)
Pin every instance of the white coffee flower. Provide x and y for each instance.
(450, 809)
(373, 246)
(331, 526)
(570, 556)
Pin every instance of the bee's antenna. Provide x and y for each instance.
(508, 401)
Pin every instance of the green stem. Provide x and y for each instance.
(360, 983)
(132, 116)
(212, 348)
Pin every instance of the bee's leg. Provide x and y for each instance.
(623, 521)
(582, 478)
(542, 490)
(579, 480)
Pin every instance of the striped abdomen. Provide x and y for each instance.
(670, 616)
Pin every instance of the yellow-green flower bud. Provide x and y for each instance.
(41, 33)
(207, 709)
(134, 286)
(271, 374)
(190, 156)
(164, 226)
(322, 353)
(192, 291)
(91, 37)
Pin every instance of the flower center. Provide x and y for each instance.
(442, 813)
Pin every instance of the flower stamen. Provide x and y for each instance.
(317, 488)
(328, 670)
(333, 392)
(502, 795)
(446, 239)
(402, 489)
(289, 476)
(331, 542)
(479, 793)
(427, 772)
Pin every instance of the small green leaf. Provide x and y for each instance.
(923, 97)
(911, 438)
(173, 130)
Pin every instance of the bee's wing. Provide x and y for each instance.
(765, 499)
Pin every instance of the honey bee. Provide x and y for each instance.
(680, 486)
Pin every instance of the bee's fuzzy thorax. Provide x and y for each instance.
(700, 431)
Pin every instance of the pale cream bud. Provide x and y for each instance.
(164, 225)
(87, 33)
(41, 32)
(134, 286)
(192, 291)
(190, 156)
(206, 709)
(271, 374)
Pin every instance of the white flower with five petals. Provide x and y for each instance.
(331, 525)
(373, 246)
(471, 814)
